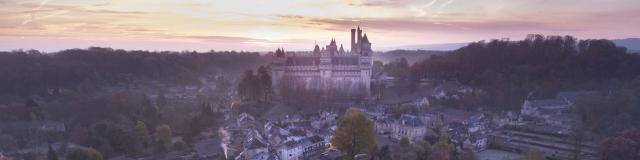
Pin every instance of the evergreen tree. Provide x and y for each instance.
(264, 82)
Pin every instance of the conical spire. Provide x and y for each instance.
(316, 49)
(365, 39)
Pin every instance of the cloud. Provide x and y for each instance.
(228, 39)
(380, 3)
(411, 24)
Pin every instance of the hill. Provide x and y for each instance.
(632, 44)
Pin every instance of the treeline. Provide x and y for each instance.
(412, 55)
(509, 70)
(26, 73)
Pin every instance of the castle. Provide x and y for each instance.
(328, 67)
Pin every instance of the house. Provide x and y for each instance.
(274, 134)
(316, 146)
(458, 132)
(255, 149)
(432, 120)
(470, 133)
(477, 142)
(294, 150)
(409, 126)
(384, 125)
(558, 111)
(478, 122)
(422, 102)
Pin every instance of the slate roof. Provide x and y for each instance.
(302, 60)
(547, 103)
(344, 60)
(411, 121)
(255, 144)
(315, 139)
(571, 96)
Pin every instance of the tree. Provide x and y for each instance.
(8, 143)
(442, 149)
(163, 136)
(439, 155)
(443, 144)
(467, 154)
(264, 83)
(377, 67)
(51, 154)
(384, 152)
(180, 146)
(625, 146)
(422, 149)
(533, 154)
(142, 133)
(82, 153)
(405, 150)
(247, 87)
(150, 113)
(354, 133)
(161, 100)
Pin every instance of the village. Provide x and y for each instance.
(542, 124)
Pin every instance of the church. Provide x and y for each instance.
(327, 68)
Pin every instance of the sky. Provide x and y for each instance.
(261, 25)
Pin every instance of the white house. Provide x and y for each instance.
(294, 150)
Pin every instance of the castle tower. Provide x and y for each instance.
(353, 40)
(359, 44)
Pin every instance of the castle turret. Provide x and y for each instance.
(279, 53)
(316, 50)
(332, 48)
(365, 46)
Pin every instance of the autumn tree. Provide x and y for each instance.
(163, 137)
(442, 148)
(354, 133)
(142, 134)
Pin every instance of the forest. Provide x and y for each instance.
(27, 73)
(510, 70)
